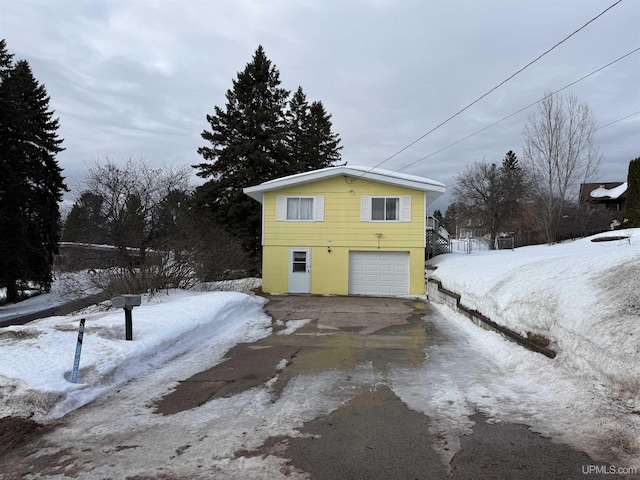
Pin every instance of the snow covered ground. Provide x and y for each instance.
(480, 371)
(583, 296)
(66, 287)
(36, 359)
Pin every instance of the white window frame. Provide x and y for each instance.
(317, 208)
(404, 208)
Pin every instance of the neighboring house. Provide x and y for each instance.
(470, 225)
(345, 230)
(75, 256)
(608, 195)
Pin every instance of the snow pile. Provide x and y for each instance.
(36, 359)
(583, 296)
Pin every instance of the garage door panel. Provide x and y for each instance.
(379, 273)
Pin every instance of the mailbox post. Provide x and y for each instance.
(127, 302)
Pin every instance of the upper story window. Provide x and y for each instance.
(385, 209)
(299, 208)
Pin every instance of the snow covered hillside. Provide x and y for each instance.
(582, 295)
(36, 359)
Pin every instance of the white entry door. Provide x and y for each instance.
(299, 270)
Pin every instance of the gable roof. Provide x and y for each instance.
(374, 174)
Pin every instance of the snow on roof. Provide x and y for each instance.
(612, 193)
(369, 173)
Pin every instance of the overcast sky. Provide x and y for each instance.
(137, 78)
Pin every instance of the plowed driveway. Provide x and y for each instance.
(318, 398)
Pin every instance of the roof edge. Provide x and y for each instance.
(369, 173)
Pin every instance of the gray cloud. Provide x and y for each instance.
(137, 78)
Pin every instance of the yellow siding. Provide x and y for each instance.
(342, 225)
(342, 231)
(329, 270)
(275, 269)
(416, 266)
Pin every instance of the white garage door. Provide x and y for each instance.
(379, 273)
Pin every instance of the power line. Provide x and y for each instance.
(616, 121)
(494, 88)
(522, 110)
(455, 143)
(525, 108)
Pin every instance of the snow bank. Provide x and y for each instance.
(583, 296)
(36, 359)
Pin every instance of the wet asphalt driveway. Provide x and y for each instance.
(374, 435)
(313, 400)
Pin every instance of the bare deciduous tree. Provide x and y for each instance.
(561, 152)
(134, 205)
(133, 195)
(492, 192)
(159, 240)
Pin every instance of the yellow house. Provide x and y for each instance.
(345, 230)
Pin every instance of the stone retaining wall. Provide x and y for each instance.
(438, 294)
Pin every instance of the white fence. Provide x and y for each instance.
(470, 245)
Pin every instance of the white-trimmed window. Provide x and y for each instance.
(300, 208)
(385, 209)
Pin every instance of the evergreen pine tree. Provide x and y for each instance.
(324, 144)
(510, 162)
(247, 147)
(311, 143)
(253, 140)
(6, 65)
(632, 203)
(513, 189)
(6, 59)
(297, 138)
(132, 230)
(171, 214)
(31, 183)
(86, 223)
